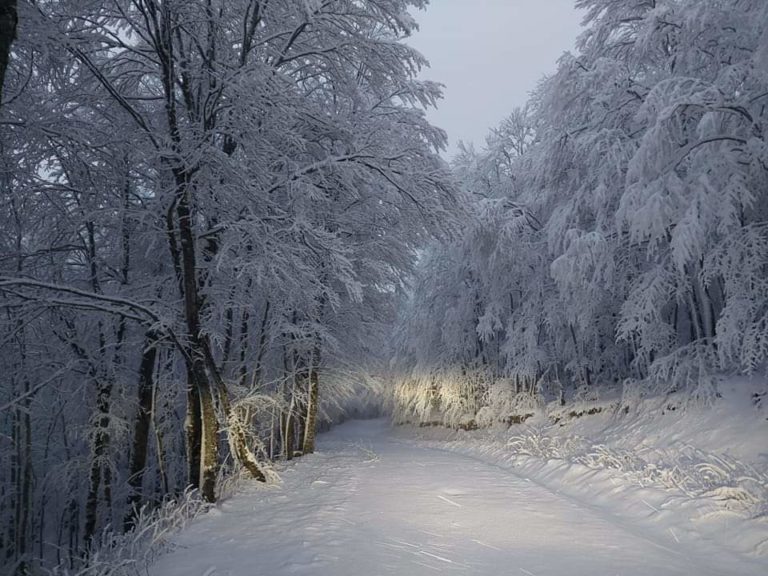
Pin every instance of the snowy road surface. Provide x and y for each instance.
(368, 505)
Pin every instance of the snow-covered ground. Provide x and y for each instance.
(374, 502)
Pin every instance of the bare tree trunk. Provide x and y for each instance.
(70, 515)
(193, 430)
(13, 550)
(299, 395)
(300, 421)
(101, 474)
(238, 439)
(197, 368)
(99, 469)
(73, 531)
(22, 533)
(560, 386)
(8, 20)
(162, 476)
(293, 371)
(580, 353)
(138, 461)
(310, 430)
(229, 328)
(258, 369)
(707, 311)
(209, 449)
(697, 333)
(288, 435)
(244, 340)
(22, 430)
(202, 424)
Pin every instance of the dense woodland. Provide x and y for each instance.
(223, 222)
(617, 237)
(207, 211)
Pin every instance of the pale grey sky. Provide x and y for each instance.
(490, 55)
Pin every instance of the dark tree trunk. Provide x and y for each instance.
(8, 20)
(99, 471)
(138, 462)
(288, 435)
(209, 450)
(238, 440)
(244, 339)
(310, 431)
(258, 369)
(202, 424)
(193, 430)
(229, 324)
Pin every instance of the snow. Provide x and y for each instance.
(372, 502)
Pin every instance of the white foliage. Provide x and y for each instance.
(625, 239)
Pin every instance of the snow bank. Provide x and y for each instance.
(698, 473)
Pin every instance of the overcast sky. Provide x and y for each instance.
(490, 54)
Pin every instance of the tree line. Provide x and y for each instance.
(617, 237)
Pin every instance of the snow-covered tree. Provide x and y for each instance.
(207, 209)
(643, 170)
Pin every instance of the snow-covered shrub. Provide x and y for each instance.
(689, 373)
(131, 553)
(616, 227)
(631, 395)
(534, 443)
(738, 486)
(450, 398)
(414, 399)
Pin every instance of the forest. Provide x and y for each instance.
(226, 225)
(616, 227)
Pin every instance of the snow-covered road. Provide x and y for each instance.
(368, 505)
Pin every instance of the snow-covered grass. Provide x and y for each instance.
(130, 554)
(133, 552)
(738, 485)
